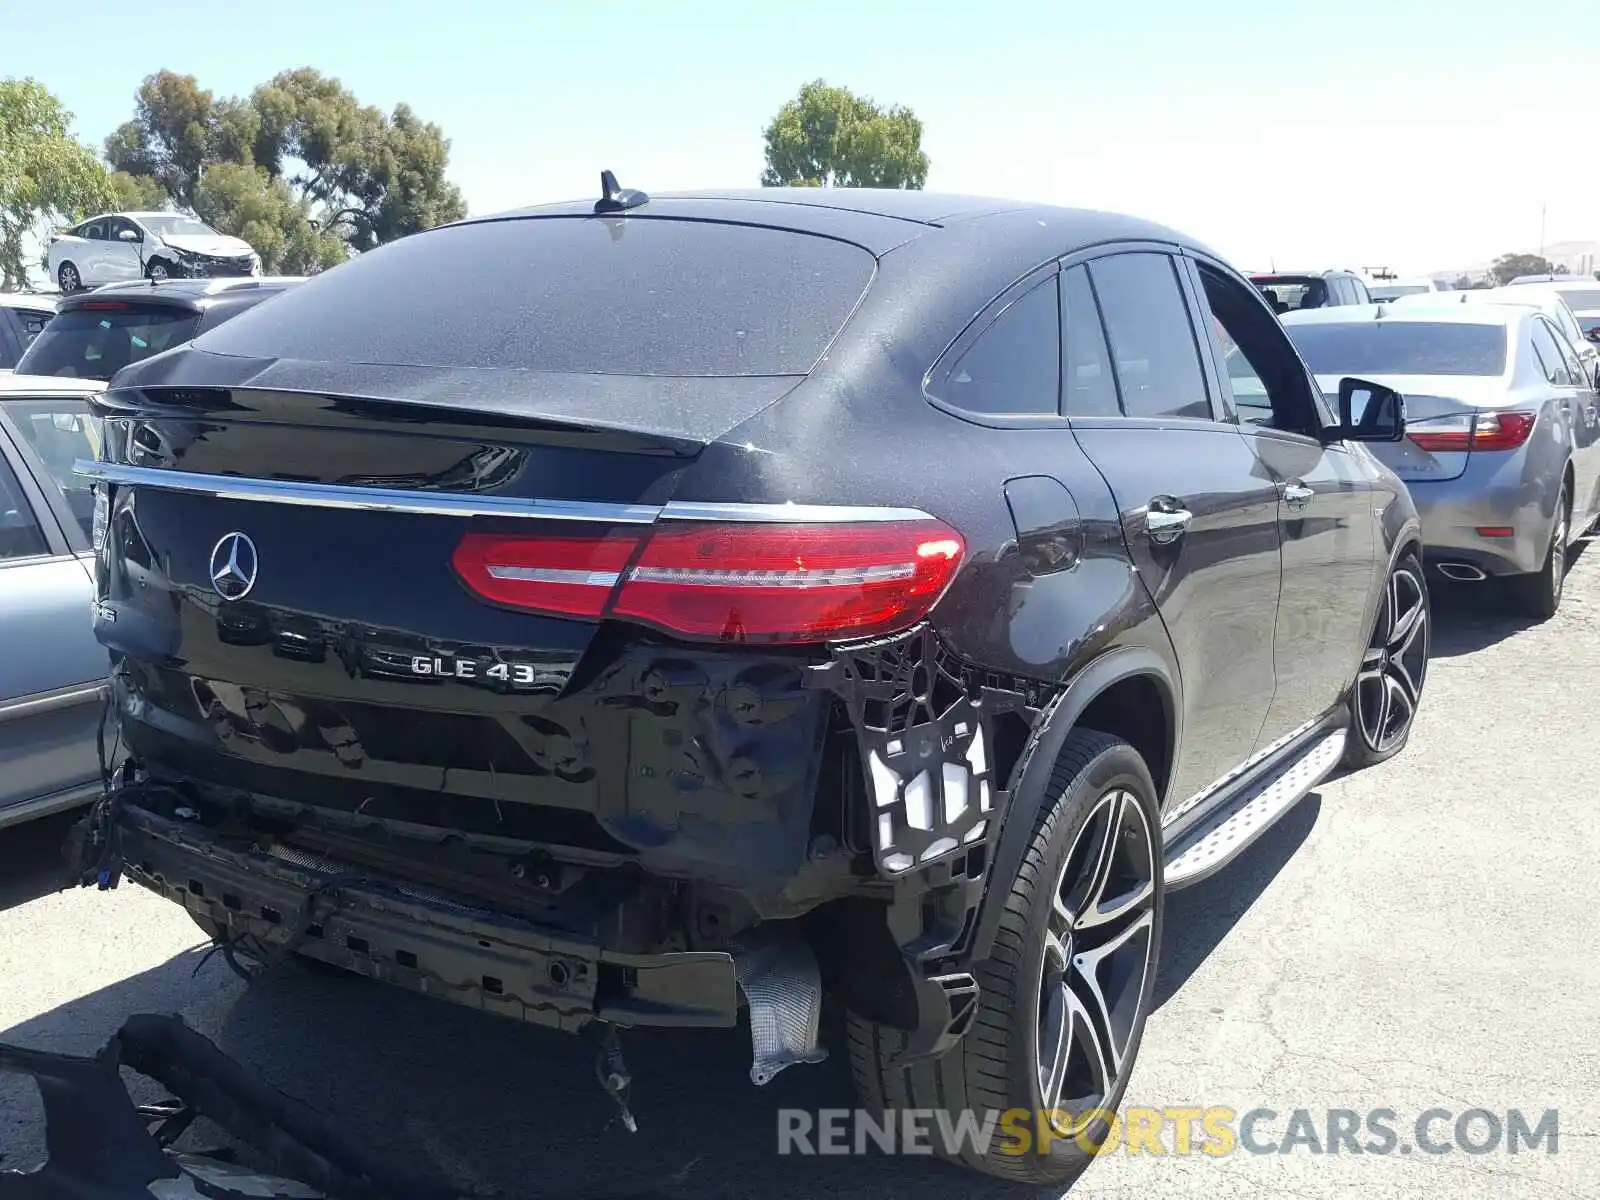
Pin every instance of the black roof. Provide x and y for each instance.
(195, 294)
(881, 219)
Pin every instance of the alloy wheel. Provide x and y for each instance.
(1098, 951)
(68, 278)
(157, 271)
(1395, 664)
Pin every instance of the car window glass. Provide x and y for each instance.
(1152, 341)
(1569, 324)
(95, 230)
(1568, 356)
(95, 343)
(60, 433)
(1090, 388)
(20, 535)
(1267, 380)
(1555, 366)
(31, 322)
(1015, 365)
(1358, 292)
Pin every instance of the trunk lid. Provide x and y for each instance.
(343, 665)
(1434, 403)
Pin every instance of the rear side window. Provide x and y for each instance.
(631, 296)
(20, 535)
(1400, 347)
(1550, 356)
(60, 433)
(95, 343)
(1152, 340)
(1091, 389)
(1014, 366)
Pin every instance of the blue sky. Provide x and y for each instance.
(1413, 133)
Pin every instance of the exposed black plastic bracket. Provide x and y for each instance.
(924, 725)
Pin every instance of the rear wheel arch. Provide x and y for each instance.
(1103, 696)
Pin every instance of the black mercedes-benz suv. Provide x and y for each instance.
(629, 612)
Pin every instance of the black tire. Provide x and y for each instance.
(1099, 783)
(1395, 658)
(68, 279)
(1538, 595)
(159, 269)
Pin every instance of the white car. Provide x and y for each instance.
(1392, 289)
(116, 247)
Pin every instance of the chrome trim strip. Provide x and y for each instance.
(807, 514)
(331, 495)
(457, 504)
(37, 703)
(605, 579)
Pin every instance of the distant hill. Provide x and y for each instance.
(1581, 258)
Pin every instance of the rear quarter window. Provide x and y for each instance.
(631, 296)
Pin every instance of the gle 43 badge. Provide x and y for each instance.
(514, 674)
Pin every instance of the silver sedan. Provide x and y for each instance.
(1502, 446)
(51, 667)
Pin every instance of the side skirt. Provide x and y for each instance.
(1225, 824)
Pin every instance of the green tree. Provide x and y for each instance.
(829, 137)
(249, 203)
(1508, 266)
(318, 167)
(46, 174)
(137, 193)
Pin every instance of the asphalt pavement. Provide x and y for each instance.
(1419, 936)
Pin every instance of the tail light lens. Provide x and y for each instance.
(1472, 431)
(714, 582)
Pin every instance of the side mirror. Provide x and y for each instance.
(127, 235)
(1370, 412)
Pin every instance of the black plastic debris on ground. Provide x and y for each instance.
(101, 1146)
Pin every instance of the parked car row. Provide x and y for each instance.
(693, 603)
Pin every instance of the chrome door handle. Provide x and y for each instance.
(1297, 495)
(1166, 524)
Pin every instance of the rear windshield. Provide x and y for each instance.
(60, 432)
(1401, 348)
(1289, 293)
(97, 343)
(1581, 299)
(629, 296)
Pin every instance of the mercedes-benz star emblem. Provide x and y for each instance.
(233, 566)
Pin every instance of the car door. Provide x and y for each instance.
(51, 668)
(1199, 514)
(1326, 503)
(1582, 407)
(121, 256)
(91, 255)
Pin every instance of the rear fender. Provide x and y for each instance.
(1030, 789)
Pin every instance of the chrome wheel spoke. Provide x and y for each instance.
(1108, 1023)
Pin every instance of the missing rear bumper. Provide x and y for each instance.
(285, 901)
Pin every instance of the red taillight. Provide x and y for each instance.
(744, 582)
(1472, 431)
(570, 577)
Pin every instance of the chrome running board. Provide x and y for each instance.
(1221, 836)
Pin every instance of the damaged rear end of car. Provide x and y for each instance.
(525, 686)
